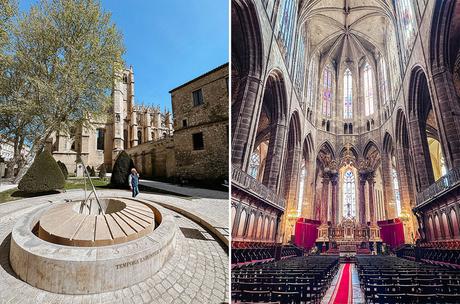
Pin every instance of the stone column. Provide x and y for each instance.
(134, 118)
(323, 230)
(371, 181)
(421, 154)
(362, 199)
(243, 114)
(291, 177)
(324, 199)
(388, 194)
(374, 230)
(448, 108)
(334, 205)
(404, 185)
(274, 156)
(309, 192)
(294, 174)
(405, 191)
(148, 126)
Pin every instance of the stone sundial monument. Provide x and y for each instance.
(93, 245)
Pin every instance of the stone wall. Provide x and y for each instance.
(210, 118)
(174, 157)
(154, 159)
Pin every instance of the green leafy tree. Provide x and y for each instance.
(121, 171)
(65, 55)
(43, 176)
(8, 9)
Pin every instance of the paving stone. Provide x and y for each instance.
(195, 264)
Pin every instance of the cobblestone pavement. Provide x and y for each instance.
(214, 212)
(196, 273)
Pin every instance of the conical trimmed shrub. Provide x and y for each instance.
(102, 172)
(121, 170)
(63, 168)
(44, 175)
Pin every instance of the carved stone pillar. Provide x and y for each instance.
(308, 206)
(421, 154)
(243, 110)
(324, 199)
(134, 119)
(334, 205)
(448, 107)
(274, 156)
(371, 181)
(323, 230)
(362, 199)
(389, 197)
(374, 230)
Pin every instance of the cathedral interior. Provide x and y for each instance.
(345, 149)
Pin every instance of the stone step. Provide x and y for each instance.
(125, 220)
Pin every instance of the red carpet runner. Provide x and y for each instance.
(343, 292)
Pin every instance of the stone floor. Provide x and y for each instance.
(197, 273)
(185, 190)
(6, 186)
(358, 296)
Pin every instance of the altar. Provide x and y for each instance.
(349, 238)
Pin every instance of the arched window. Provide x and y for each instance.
(286, 26)
(300, 68)
(349, 201)
(312, 73)
(407, 23)
(100, 138)
(438, 162)
(303, 173)
(254, 163)
(396, 191)
(327, 90)
(368, 90)
(139, 137)
(383, 81)
(347, 95)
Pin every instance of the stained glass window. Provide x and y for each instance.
(254, 163)
(300, 69)
(396, 191)
(407, 23)
(443, 166)
(368, 90)
(327, 91)
(347, 95)
(311, 83)
(286, 27)
(349, 201)
(383, 81)
(303, 173)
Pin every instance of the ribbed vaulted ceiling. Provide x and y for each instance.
(347, 28)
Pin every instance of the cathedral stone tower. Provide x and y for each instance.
(135, 124)
(123, 100)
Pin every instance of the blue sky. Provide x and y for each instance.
(168, 42)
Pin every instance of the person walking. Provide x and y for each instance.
(134, 182)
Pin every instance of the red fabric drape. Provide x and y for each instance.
(306, 233)
(392, 232)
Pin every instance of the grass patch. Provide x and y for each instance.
(14, 194)
(80, 183)
(6, 196)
